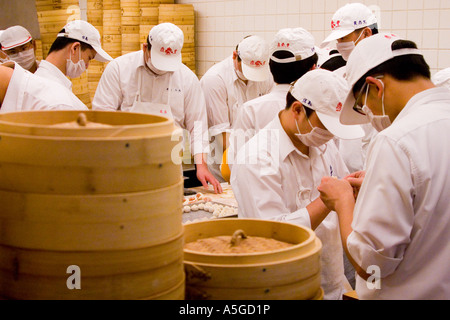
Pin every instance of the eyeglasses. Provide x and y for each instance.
(357, 106)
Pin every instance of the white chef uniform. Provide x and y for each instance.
(49, 71)
(402, 217)
(27, 92)
(272, 180)
(225, 93)
(119, 89)
(253, 116)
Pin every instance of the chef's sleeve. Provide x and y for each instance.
(195, 120)
(108, 96)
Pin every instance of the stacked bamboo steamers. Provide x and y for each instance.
(96, 192)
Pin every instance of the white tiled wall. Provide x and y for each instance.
(221, 24)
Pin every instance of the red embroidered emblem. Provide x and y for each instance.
(168, 51)
(257, 63)
(335, 24)
(339, 107)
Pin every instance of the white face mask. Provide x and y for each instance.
(75, 70)
(316, 138)
(153, 68)
(378, 122)
(346, 48)
(25, 59)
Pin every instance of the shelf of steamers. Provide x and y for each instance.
(206, 205)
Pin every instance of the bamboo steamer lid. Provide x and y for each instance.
(289, 273)
(131, 163)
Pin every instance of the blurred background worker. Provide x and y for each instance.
(397, 233)
(292, 55)
(75, 46)
(21, 90)
(330, 59)
(350, 25)
(18, 44)
(155, 81)
(277, 172)
(227, 85)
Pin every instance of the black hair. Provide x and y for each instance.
(401, 68)
(61, 42)
(286, 73)
(290, 99)
(334, 63)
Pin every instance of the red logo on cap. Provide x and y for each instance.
(335, 24)
(390, 36)
(339, 107)
(257, 63)
(168, 51)
(281, 45)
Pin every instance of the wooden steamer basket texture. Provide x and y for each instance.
(292, 273)
(107, 199)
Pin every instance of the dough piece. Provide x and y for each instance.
(186, 209)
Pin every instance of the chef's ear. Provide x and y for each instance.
(297, 108)
(75, 47)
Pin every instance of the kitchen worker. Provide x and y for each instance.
(277, 172)
(397, 232)
(75, 46)
(227, 85)
(20, 90)
(331, 60)
(18, 44)
(292, 55)
(442, 78)
(155, 81)
(350, 25)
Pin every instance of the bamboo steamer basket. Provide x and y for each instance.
(289, 274)
(111, 4)
(128, 244)
(141, 273)
(124, 221)
(47, 5)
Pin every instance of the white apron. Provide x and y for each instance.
(153, 108)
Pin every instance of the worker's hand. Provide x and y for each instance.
(336, 194)
(356, 179)
(205, 176)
